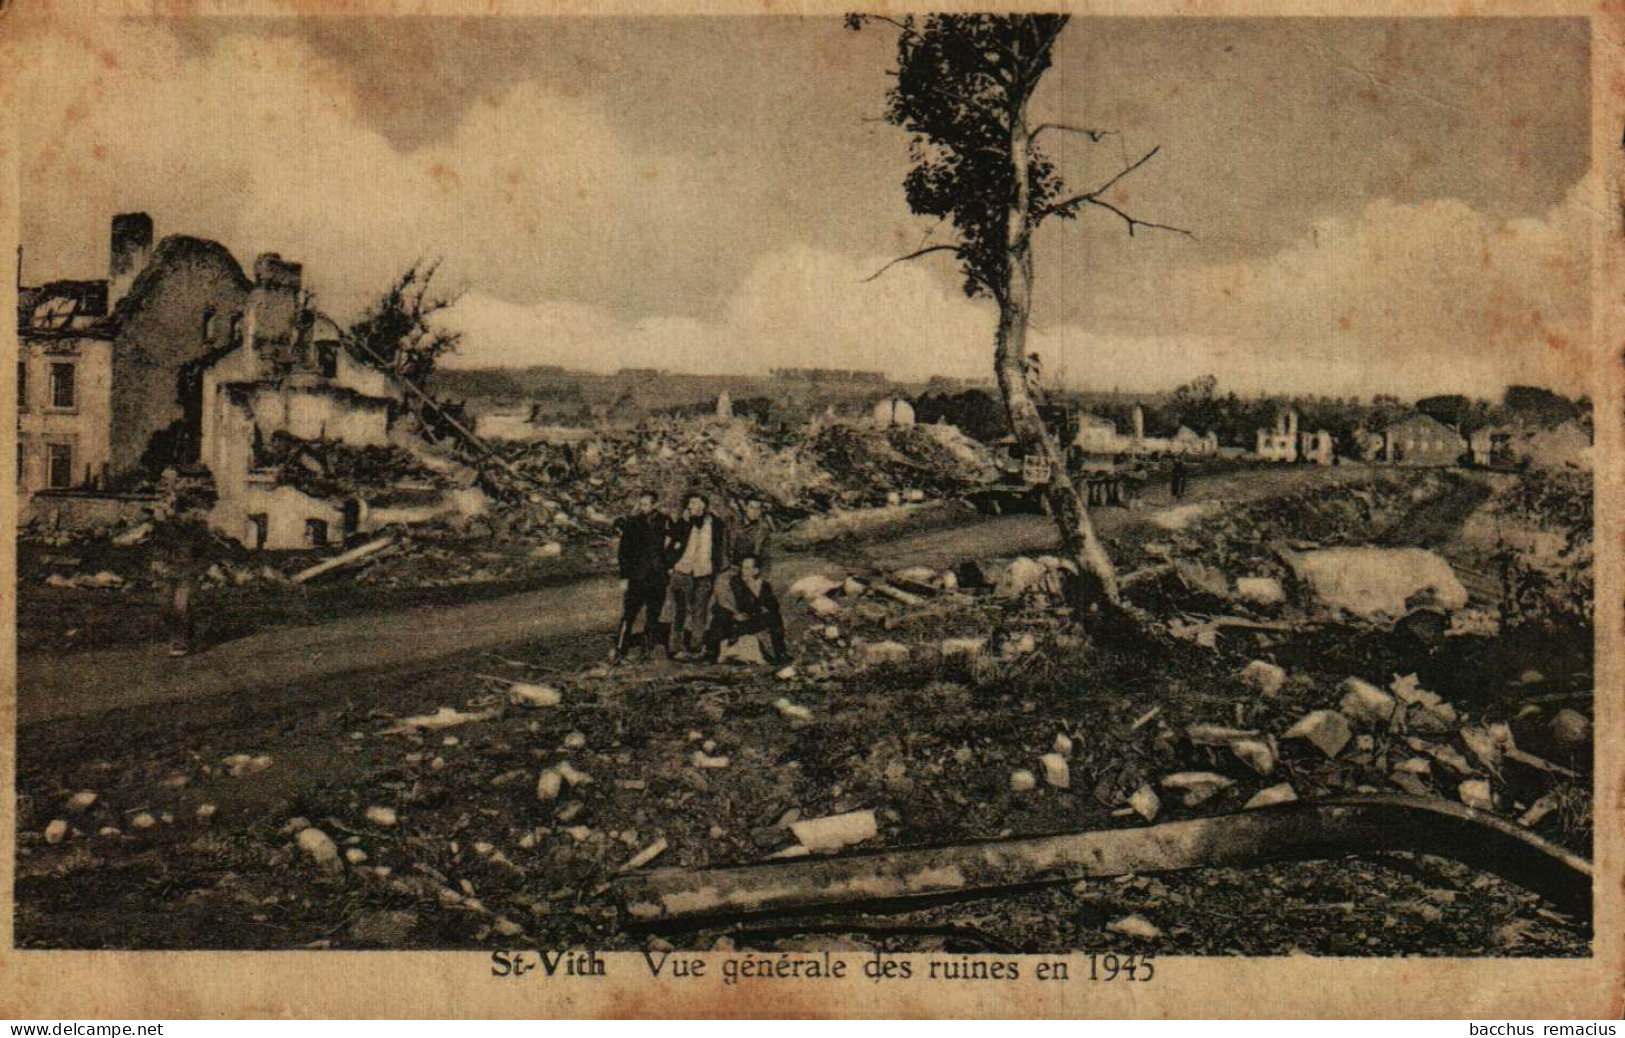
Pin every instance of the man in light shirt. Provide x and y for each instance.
(699, 543)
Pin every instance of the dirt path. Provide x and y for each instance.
(52, 687)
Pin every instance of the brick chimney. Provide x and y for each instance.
(273, 311)
(131, 244)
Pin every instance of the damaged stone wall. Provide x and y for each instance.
(179, 308)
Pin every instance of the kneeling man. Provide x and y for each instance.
(745, 606)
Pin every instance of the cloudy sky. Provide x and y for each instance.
(1378, 206)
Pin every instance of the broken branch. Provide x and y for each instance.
(1093, 135)
(916, 254)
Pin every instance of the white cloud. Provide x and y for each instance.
(538, 198)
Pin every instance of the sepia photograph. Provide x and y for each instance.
(956, 486)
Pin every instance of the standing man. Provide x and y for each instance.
(753, 537)
(1179, 477)
(699, 545)
(746, 606)
(180, 542)
(641, 558)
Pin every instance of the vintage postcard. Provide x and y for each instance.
(731, 510)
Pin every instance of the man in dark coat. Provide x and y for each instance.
(697, 547)
(181, 544)
(753, 536)
(641, 559)
(745, 605)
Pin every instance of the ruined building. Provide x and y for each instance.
(1421, 440)
(100, 362)
(178, 359)
(269, 395)
(1281, 442)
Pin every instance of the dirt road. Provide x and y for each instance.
(52, 687)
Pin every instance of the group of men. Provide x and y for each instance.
(697, 583)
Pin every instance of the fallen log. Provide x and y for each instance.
(338, 561)
(1296, 831)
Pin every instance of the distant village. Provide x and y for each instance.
(182, 364)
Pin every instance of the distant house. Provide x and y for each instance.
(1566, 446)
(1421, 440)
(1279, 443)
(1317, 447)
(1096, 435)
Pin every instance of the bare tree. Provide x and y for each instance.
(398, 332)
(962, 92)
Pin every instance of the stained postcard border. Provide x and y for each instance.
(131, 985)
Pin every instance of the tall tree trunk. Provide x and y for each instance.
(1078, 538)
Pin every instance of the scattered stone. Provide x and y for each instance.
(1134, 926)
(82, 800)
(1063, 744)
(1281, 793)
(825, 607)
(1022, 781)
(355, 855)
(144, 820)
(833, 832)
(1263, 677)
(787, 674)
(1257, 754)
(56, 832)
(1327, 730)
(1365, 704)
(381, 816)
(575, 741)
(1260, 591)
(320, 848)
(1196, 787)
(1450, 757)
(525, 694)
(240, 764)
(1475, 793)
(1571, 729)
(792, 712)
(1482, 745)
(1372, 583)
(205, 812)
(1022, 576)
(1146, 803)
(916, 575)
(701, 759)
(505, 927)
(569, 773)
(1056, 772)
(548, 785)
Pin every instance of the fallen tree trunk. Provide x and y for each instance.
(1303, 830)
(337, 561)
